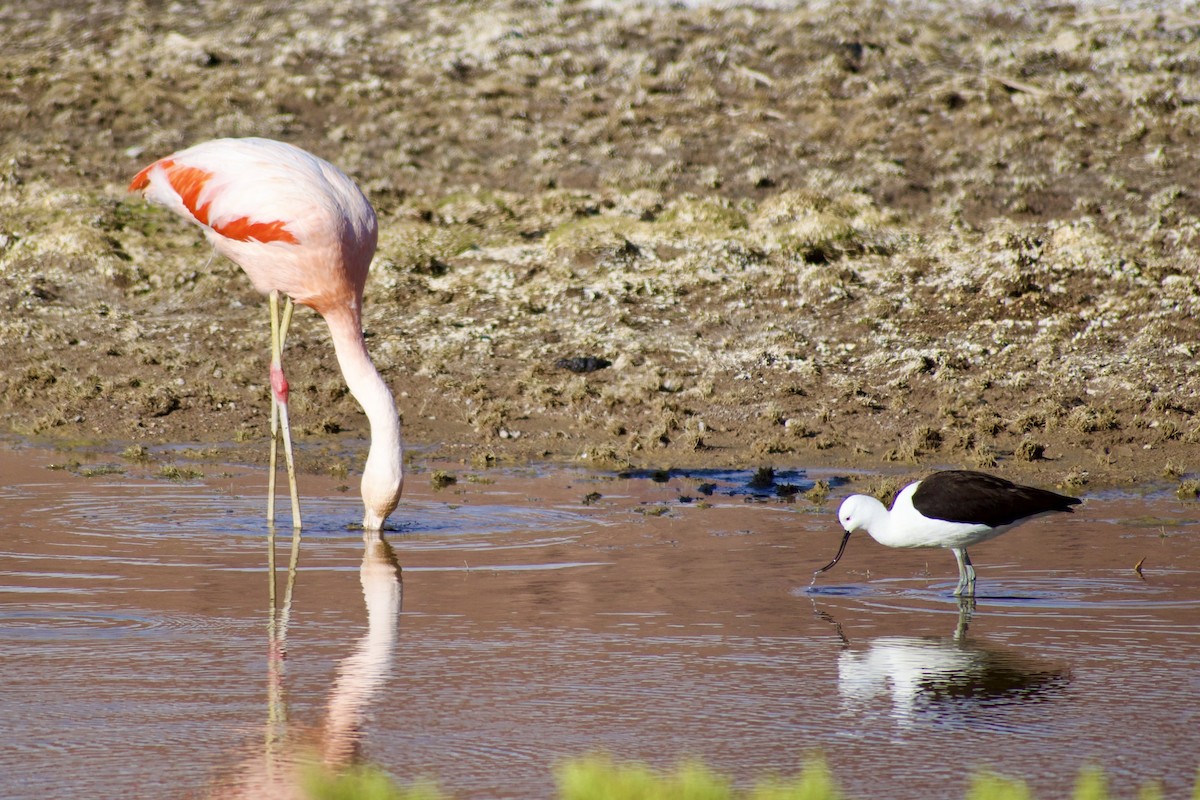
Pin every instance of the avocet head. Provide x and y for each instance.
(853, 515)
(853, 512)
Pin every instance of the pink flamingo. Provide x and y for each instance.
(298, 227)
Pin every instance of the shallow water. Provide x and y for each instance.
(506, 625)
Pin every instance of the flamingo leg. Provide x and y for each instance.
(274, 459)
(279, 409)
(275, 433)
(277, 625)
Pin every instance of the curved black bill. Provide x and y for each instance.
(836, 558)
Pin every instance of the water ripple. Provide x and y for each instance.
(71, 623)
(152, 511)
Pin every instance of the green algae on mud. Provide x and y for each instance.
(860, 235)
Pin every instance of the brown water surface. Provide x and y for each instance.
(505, 626)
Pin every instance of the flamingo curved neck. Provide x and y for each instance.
(383, 473)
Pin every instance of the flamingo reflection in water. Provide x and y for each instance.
(363, 672)
(279, 772)
(943, 679)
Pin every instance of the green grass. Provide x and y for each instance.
(364, 783)
(598, 777)
(988, 786)
(175, 473)
(440, 479)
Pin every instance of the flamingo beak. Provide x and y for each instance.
(836, 558)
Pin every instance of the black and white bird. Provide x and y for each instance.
(954, 509)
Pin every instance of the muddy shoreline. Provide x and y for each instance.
(856, 237)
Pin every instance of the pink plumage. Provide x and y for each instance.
(294, 222)
(298, 226)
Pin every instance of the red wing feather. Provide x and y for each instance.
(244, 230)
(142, 179)
(188, 182)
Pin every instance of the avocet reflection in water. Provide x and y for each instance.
(951, 680)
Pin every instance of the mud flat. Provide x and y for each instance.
(859, 234)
